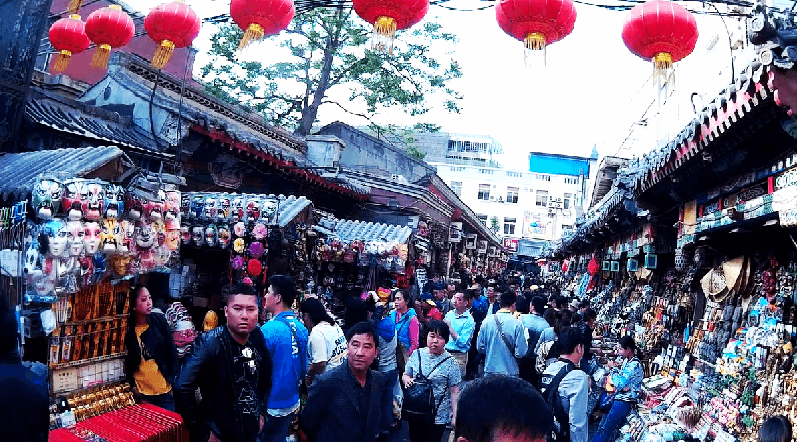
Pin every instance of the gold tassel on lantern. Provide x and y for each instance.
(101, 56)
(61, 61)
(535, 47)
(662, 68)
(74, 6)
(384, 33)
(163, 54)
(253, 33)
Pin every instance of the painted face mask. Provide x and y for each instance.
(225, 211)
(128, 229)
(58, 238)
(144, 235)
(47, 194)
(185, 235)
(72, 201)
(153, 209)
(93, 237)
(120, 264)
(210, 235)
(32, 258)
(224, 236)
(172, 207)
(114, 201)
(237, 209)
(99, 260)
(210, 209)
(94, 200)
(134, 205)
(159, 228)
(198, 235)
(111, 236)
(172, 235)
(197, 208)
(76, 234)
(269, 210)
(253, 209)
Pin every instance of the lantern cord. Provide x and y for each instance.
(730, 41)
(151, 118)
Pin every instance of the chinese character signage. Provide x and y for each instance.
(537, 225)
(511, 244)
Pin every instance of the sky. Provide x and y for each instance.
(591, 92)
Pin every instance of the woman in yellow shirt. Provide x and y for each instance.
(151, 361)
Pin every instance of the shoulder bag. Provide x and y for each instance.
(419, 404)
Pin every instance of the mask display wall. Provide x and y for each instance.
(83, 224)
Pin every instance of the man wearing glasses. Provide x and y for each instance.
(232, 367)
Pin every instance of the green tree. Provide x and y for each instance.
(495, 225)
(327, 52)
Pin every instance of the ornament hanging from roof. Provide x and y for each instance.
(260, 18)
(68, 36)
(172, 25)
(663, 32)
(108, 28)
(388, 16)
(537, 23)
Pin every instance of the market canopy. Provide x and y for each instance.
(349, 230)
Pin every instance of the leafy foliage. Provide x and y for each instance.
(495, 225)
(327, 51)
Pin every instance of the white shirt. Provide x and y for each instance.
(326, 343)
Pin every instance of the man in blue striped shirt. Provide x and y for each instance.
(461, 326)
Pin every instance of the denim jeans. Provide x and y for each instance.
(275, 428)
(165, 401)
(612, 421)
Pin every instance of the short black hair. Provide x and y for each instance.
(498, 403)
(538, 302)
(568, 339)
(284, 286)
(628, 342)
(506, 299)
(468, 294)
(238, 289)
(522, 304)
(589, 314)
(584, 304)
(560, 301)
(363, 328)
(439, 327)
(775, 429)
(407, 298)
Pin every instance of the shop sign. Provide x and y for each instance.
(511, 244)
(690, 218)
(482, 248)
(455, 232)
(788, 217)
(470, 242)
(786, 179)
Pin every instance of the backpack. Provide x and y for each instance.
(545, 351)
(419, 404)
(549, 387)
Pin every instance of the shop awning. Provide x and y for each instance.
(349, 230)
(19, 171)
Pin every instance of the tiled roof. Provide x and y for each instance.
(348, 230)
(86, 121)
(19, 171)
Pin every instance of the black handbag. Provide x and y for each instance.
(419, 404)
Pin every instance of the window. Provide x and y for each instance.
(571, 180)
(513, 174)
(542, 198)
(511, 194)
(486, 171)
(482, 218)
(509, 226)
(456, 186)
(484, 192)
(541, 177)
(456, 168)
(566, 201)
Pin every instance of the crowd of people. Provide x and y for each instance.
(496, 360)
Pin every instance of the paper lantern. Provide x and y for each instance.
(171, 25)
(564, 266)
(259, 18)
(537, 23)
(388, 16)
(68, 36)
(108, 28)
(661, 31)
(593, 267)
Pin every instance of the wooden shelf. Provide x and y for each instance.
(87, 361)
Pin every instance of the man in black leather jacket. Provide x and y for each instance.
(231, 366)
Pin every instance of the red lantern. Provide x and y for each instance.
(172, 25)
(388, 16)
(593, 266)
(538, 23)
(108, 28)
(661, 31)
(259, 18)
(68, 36)
(564, 266)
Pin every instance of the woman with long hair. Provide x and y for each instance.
(326, 346)
(626, 376)
(407, 327)
(151, 361)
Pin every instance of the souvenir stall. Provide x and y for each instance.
(86, 239)
(231, 238)
(356, 256)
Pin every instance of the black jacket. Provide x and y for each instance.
(209, 368)
(24, 402)
(333, 413)
(158, 340)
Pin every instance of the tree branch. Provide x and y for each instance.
(348, 111)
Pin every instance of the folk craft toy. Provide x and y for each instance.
(46, 197)
(94, 200)
(73, 199)
(114, 201)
